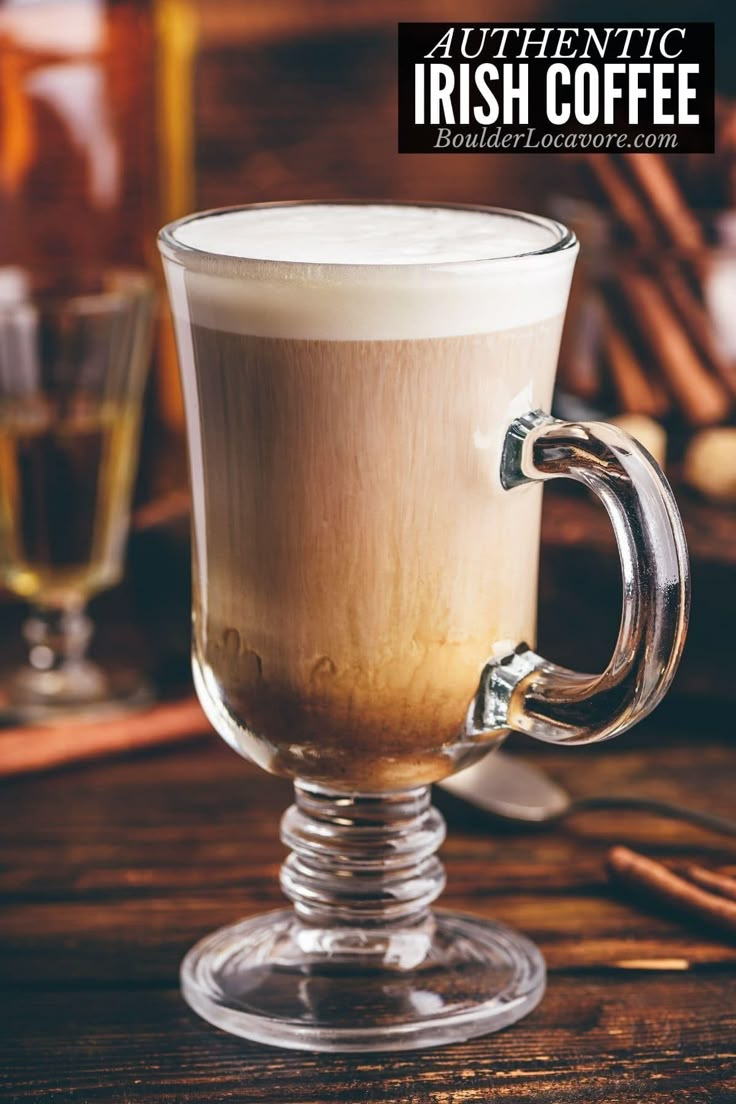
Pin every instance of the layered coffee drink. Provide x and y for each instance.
(350, 372)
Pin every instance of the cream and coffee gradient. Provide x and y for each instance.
(349, 376)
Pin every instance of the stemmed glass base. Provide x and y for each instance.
(59, 681)
(361, 963)
(83, 690)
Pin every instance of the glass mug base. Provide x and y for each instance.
(80, 689)
(362, 963)
(269, 980)
(60, 682)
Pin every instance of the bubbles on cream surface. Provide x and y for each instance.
(370, 234)
(365, 272)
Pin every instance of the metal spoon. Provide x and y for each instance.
(511, 790)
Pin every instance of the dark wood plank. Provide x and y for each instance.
(588, 1042)
(111, 871)
(108, 872)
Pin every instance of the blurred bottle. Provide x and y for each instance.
(96, 147)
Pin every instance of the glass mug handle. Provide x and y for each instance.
(527, 693)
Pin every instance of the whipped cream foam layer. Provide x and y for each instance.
(371, 234)
(366, 271)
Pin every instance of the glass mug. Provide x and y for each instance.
(365, 389)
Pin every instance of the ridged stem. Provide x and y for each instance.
(362, 861)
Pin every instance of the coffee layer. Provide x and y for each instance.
(357, 560)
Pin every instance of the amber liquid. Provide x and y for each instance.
(65, 486)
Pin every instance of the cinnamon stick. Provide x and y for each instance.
(654, 880)
(726, 150)
(702, 398)
(41, 747)
(722, 884)
(623, 201)
(637, 392)
(695, 318)
(657, 184)
(163, 510)
(579, 364)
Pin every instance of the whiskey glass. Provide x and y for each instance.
(74, 351)
(366, 517)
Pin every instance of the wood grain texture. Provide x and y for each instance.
(110, 871)
(589, 1042)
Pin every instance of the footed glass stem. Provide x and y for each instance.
(361, 962)
(59, 679)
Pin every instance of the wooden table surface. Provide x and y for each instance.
(110, 871)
